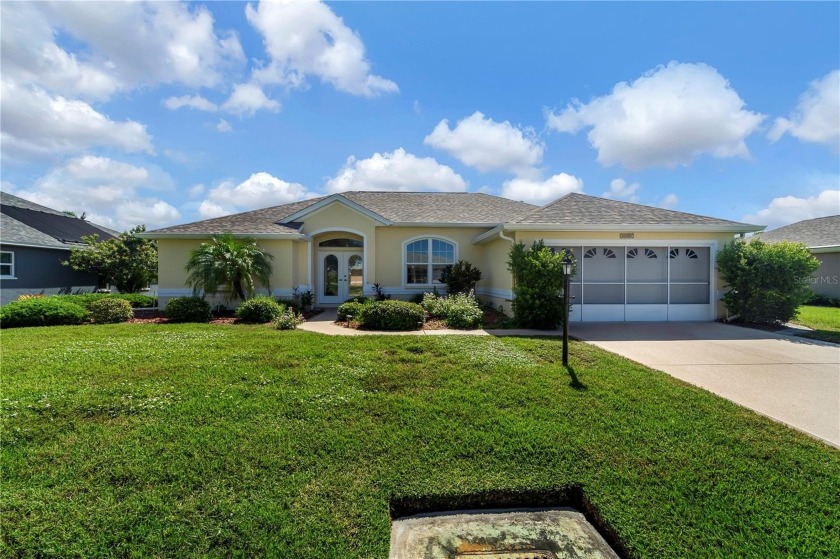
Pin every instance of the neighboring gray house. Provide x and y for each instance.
(34, 240)
(822, 237)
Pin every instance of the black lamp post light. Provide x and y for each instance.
(567, 274)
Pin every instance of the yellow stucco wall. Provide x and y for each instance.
(389, 250)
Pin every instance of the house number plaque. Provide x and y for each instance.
(626, 235)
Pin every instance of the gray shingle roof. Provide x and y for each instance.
(818, 232)
(399, 207)
(14, 232)
(440, 207)
(26, 223)
(580, 209)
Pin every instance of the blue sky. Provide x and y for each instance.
(166, 112)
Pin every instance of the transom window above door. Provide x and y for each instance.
(426, 259)
(341, 243)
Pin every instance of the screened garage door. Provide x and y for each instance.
(641, 283)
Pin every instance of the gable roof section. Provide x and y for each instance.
(577, 211)
(398, 208)
(813, 233)
(30, 224)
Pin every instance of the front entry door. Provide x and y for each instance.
(340, 275)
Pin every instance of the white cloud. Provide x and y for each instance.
(539, 191)
(621, 190)
(196, 190)
(151, 42)
(37, 124)
(307, 38)
(248, 98)
(790, 209)
(224, 126)
(488, 145)
(669, 202)
(208, 210)
(817, 116)
(398, 171)
(112, 193)
(665, 118)
(196, 102)
(260, 190)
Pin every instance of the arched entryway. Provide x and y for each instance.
(340, 267)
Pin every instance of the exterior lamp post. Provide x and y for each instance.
(567, 273)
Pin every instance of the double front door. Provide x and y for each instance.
(341, 276)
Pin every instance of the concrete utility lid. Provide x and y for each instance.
(560, 533)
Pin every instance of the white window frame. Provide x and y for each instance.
(430, 263)
(12, 264)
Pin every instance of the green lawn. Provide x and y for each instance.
(242, 441)
(825, 321)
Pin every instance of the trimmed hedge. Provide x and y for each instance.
(110, 311)
(42, 311)
(393, 315)
(460, 310)
(188, 309)
(356, 310)
(136, 300)
(259, 310)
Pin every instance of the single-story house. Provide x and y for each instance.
(34, 240)
(822, 237)
(635, 262)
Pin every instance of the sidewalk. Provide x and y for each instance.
(324, 323)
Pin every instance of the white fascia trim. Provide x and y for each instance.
(292, 236)
(619, 227)
(33, 245)
(336, 198)
(488, 235)
(440, 225)
(824, 249)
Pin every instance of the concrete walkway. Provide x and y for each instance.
(792, 380)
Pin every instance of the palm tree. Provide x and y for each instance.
(233, 263)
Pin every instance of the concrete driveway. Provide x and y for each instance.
(792, 380)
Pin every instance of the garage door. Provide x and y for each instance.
(641, 283)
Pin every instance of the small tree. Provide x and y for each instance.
(127, 261)
(767, 282)
(232, 263)
(537, 282)
(461, 277)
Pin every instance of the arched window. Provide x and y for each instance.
(426, 259)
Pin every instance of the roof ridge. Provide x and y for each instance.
(29, 204)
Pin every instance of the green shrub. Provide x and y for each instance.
(767, 282)
(110, 311)
(259, 310)
(819, 300)
(351, 309)
(288, 320)
(137, 300)
(358, 299)
(537, 283)
(463, 312)
(42, 311)
(188, 309)
(417, 298)
(293, 303)
(434, 305)
(461, 277)
(393, 315)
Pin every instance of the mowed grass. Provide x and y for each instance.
(239, 441)
(825, 322)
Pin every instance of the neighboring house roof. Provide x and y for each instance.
(813, 233)
(25, 223)
(573, 211)
(580, 209)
